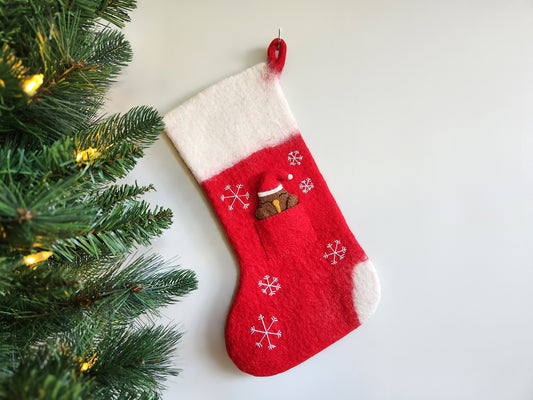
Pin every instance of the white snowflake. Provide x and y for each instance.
(337, 252)
(266, 332)
(306, 185)
(295, 157)
(236, 195)
(269, 287)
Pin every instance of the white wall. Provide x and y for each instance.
(420, 115)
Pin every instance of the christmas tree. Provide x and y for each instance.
(78, 305)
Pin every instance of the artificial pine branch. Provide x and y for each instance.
(133, 361)
(118, 193)
(118, 231)
(114, 11)
(140, 287)
(49, 164)
(73, 304)
(78, 66)
(140, 125)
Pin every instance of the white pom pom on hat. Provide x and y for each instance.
(270, 182)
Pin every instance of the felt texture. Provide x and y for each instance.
(230, 121)
(304, 280)
(276, 54)
(272, 197)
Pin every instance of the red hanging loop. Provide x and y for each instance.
(276, 64)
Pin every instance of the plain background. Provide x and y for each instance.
(419, 114)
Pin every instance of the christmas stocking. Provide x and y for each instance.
(304, 280)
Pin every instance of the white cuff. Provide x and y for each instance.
(230, 120)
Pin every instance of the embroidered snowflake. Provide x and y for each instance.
(266, 332)
(337, 252)
(236, 195)
(270, 287)
(295, 157)
(306, 185)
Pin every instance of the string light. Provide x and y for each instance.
(37, 257)
(30, 85)
(88, 364)
(85, 155)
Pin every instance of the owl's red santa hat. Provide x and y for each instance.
(270, 182)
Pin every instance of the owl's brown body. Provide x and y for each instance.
(275, 203)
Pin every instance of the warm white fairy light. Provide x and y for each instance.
(37, 257)
(85, 155)
(31, 84)
(88, 364)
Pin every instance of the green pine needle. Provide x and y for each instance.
(74, 325)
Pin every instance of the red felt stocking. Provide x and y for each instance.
(304, 280)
